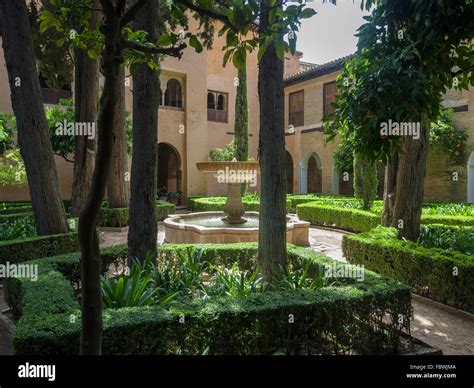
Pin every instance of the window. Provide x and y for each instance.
(173, 94)
(296, 113)
(217, 106)
(329, 96)
(211, 101)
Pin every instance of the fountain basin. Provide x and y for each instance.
(208, 227)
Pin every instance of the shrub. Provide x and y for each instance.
(118, 217)
(456, 238)
(207, 204)
(349, 219)
(345, 214)
(17, 228)
(131, 290)
(365, 180)
(29, 248)
(235, 283)
(361, 317)
(444, 275)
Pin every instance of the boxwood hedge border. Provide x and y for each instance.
(363, 317)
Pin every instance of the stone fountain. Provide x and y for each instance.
(234, 224)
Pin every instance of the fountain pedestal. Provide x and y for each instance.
(234, 207)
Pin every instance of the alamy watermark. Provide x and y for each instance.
(394, 128)
(229, 175)
(12, 270)
(339, 271)
(71, 128)
(31, 371)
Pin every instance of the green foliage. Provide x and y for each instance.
(444, 134)
(346, 213)
(334, 216)
(257, 324)
(17, 228)
(63, 145)
(133, 290)
(71, 22)
(55, 62)
(118, 217)
(453, 238)
(279, 30)
(365, 180)
(405, 59)
(299, 279)
(191, 268)
(235, 283)
(23, 249)
(344, 156)
(445, 275)
(202, 204)
(448, 209)
(7, 130)
(12, 168)
(223, 154)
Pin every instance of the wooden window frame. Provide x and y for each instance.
(325, 105)
(291, 114)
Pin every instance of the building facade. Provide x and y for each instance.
(310, 164)
(197, 112)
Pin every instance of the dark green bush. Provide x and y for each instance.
(444, 275)
(345, 215)
(207, 204)
(362, 317)
(457, 238)
(20, 227)
(16, 209)
(118, 217)
(344, 218)
(19, 250)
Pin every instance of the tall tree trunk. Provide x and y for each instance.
(118, 185)
(403, 208)
(86, 109)
(272, 234)
(33, 131)
(241, 124)
(91, 302)
(143, 227)
(389, 189)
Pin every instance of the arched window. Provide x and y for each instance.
(173, 94)
(211, 102)
(221, 102)
(161, 97)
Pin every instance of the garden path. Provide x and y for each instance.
(438, 325)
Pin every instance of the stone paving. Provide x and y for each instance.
(453, 333)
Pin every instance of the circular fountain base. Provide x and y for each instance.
(209, 227)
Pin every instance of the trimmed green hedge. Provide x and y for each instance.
(7, 218)
(344, 218)
(430, 271)
(208, 204)
(118, 217)
(16, 210)
(362, 317)
(15, 251)
(356, 220)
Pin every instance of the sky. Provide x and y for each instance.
(329, 34)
